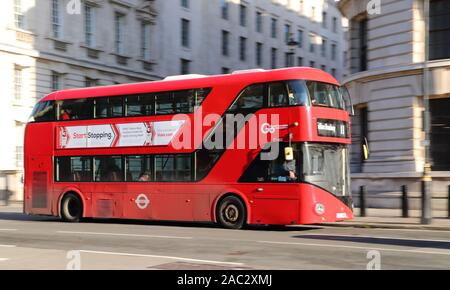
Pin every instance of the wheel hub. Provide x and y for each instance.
(231, 213)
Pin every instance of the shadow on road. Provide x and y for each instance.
(381, 241)
(18, 216)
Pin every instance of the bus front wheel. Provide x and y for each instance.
(71, 208)
(231, 213)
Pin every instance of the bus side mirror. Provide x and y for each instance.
(288, 153)
(365, 149)
(348, 101)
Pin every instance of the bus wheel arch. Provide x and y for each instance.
(237, 205)
(71, 206)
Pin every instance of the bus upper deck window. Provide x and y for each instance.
(298, 93)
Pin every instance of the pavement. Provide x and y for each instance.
(392, 219)
(36, 242)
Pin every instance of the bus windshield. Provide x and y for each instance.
(326, 166)
(325, 95)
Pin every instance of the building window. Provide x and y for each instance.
(323, 50)
(19, 156)
(288, 60)
(225, 43)
(242, 48)
(345, 56)
(145, 40)
(287, 33)
(439, 29)
(185, 66)
(119, 20)
(299, 61)
(323, 67)
(89, 82)
(224, 5)
(324, 19)
(56, 19)
(273, 27)
(259, 52)
(225, 70)
(185, 32)
(300, 38)
(259, 22)
(335, 24)
(312, 63)
(18, 83)
(333, 51)
(243, 15)
(333, 72)
(301, 6)
(313, 13)
(19, 17)
(273, 58)
(363, 45)
(312, 43)
(440, 134)
(89, 25)
(56, 81)
(185, 3)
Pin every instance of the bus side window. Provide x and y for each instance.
(80, 109)
(278, 95)
(108, 168)
(251, 99)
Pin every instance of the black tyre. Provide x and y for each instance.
(71, 208)
(231, 213)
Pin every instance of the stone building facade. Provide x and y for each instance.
(387, 59)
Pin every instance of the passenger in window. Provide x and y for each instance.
(144, 177)
(67, 113)
(290, 168)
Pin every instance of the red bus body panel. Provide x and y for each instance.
(291, 203)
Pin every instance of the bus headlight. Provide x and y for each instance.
(319, 209)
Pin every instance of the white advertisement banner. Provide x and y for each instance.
(118, 135)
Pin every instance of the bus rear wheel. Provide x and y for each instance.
(71, 208)
(231, 213)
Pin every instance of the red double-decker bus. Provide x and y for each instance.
(251, 147)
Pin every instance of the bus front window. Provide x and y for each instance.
(325, 95)
(326, 166)
(298, 93)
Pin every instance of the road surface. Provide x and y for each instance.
(30, 242)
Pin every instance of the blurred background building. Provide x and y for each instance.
(48, 45)
(387, 56)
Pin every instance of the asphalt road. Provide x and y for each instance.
(30, 242)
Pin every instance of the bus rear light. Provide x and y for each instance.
(319, 209)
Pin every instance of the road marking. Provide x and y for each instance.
(4, 259)
(356, 247)
(125, 235)
(374, 237)
(8, 230)
(162, 257)
(352, 227)
(7, 246)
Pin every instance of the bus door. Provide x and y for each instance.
(109, 187)
(39, 184)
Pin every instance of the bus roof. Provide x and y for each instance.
(245, 77)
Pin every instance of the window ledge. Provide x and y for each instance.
(21, 30)
(98, 49)
(121, 55)
(59, 40)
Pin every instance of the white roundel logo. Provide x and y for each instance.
(142, 201)
(267, 128)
